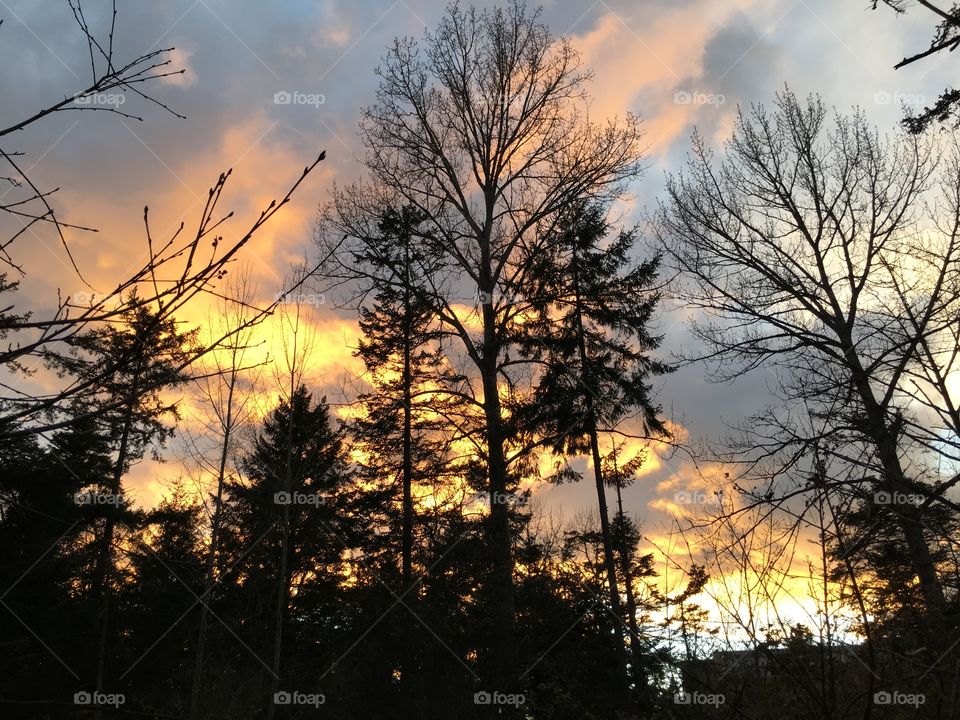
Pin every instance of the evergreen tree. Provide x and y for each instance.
(159, 607)
(131, 411)
(288, 528)
(401, 440)
(39, 522)
(591, 332)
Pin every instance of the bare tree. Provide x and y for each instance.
(111, 78)
(179, 269)
(297, 341)
(830, 255)
(484, 131)
(224, 396)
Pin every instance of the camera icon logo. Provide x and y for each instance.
(82, 698)
(282, 98)
(282, 698)
(482, 698)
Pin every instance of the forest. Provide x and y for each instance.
(380, 544)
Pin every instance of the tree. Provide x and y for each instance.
(829, 255)
(594, 303)
(287, 525)
(45, 559)
(634, 567)
(483, 131)
(946, 36)
(131, 419)
(224, 395)
(400, 435)
(157, 605)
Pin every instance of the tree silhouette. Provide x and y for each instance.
(485, 133)
(591, 336)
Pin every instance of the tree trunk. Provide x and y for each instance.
(283, 586)
(211, 554)
(609, 560)
(631, 598)
(908, 517)
(407, 672)
(283, 583)
(502, 671)
(105, 556)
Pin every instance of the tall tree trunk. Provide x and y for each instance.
(212, 553)
(635, 650)
(609, 560)
(408, 679)
(908, 517)
(283, 586)
(502, 670)
(105, 554)
(283, 583)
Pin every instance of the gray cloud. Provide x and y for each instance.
(241, 52)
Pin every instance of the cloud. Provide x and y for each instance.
(238, 54)
(179, 58)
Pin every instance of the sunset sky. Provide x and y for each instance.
(677, 63)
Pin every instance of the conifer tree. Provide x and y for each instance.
(289, 523)
(591, 332)
(159, 608)
(400, 435)
(44, 556)
(148, 350)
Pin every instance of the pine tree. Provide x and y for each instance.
(39, 521)
(289, 524)
(399, 436)
(159, 610)
(591, 331)
(147, 353)
(633, 567)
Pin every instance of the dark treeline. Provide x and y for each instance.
(388, 557)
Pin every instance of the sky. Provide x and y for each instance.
(677, 63)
